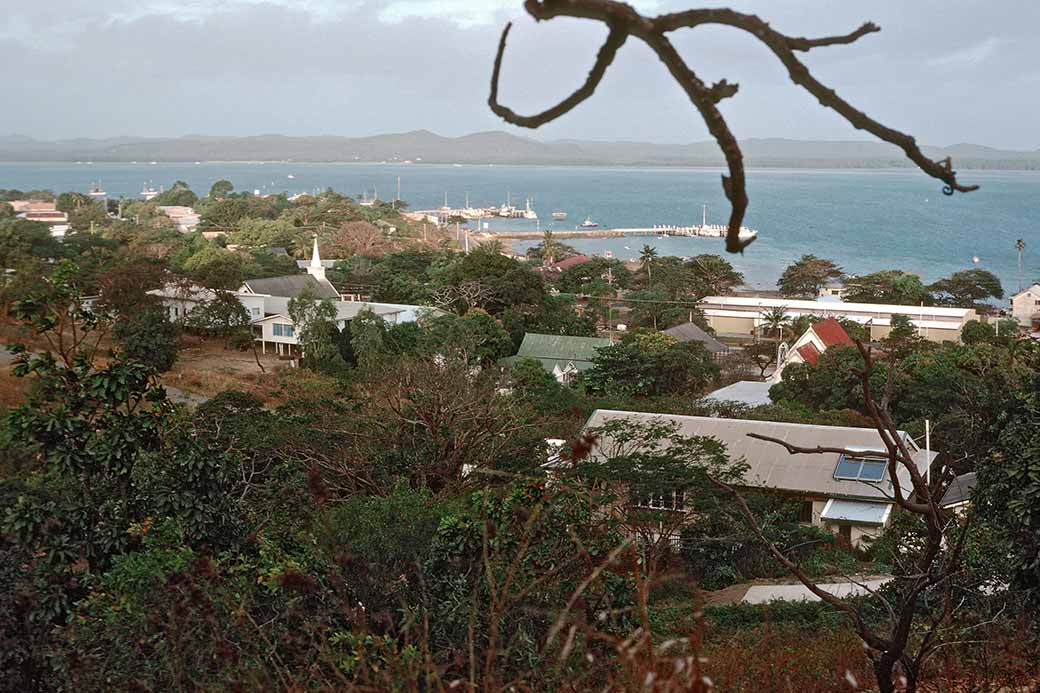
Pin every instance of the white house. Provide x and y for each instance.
(1025, 308)
(185, 219)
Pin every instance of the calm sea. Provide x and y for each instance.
(864, 220)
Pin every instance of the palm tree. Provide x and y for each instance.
(1020, 245)
(775, 319)
(647, 257)
(549, 247)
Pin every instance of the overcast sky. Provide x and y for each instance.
(948, 71)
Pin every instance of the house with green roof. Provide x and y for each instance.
(560, 355)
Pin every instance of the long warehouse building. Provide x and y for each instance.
(739, 316)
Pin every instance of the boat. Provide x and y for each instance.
(559, 215)
(148, 192)
(714, 230)
(607, 254)
(290, 176)
(588, 224)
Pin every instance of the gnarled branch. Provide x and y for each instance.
(623, 21)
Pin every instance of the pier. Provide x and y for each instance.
(710, 231)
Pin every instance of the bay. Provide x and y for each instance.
(864, 220)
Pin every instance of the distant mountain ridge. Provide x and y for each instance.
(497, 147)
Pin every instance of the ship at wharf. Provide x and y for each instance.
(702, 230)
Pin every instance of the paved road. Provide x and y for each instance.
(760, 594)
(175, 394)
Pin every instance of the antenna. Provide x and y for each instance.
(928, 451)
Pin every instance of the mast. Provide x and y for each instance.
(704, 215)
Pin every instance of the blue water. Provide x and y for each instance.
(864, 220)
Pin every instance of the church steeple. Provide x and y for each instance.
(316, 269)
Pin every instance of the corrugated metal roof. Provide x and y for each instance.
(795, 305)
(690, 332)
(857, 512)
(751, 392)
(291, 286)
(960, 490)
(771, 466)
(560, 347)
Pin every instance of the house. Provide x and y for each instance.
(691, 332)
(742, 316)
(562, 356)
(57, 221)
(385, 226)
(180, 298)
(20, 206)
(813, 342)
(958, 493)
(849, 495)
(184, 218)
(295, 285)
(554, 269)
(1025, 308)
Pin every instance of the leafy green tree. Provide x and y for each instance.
(268, 232)
(475, 338)
(221, 189)
(178, 195)
(975, 332)
(888, 286)
(598, 276)
(217, 268)
(223, 317)
(23, 241)
(555, 315)
(1008, 495)
(967, 287)
(656, 309)
(315, 324)
(6, 211)
(147, 336)
(631, 369)
(69, 202)
(715, 274)
(502, 282)
(807, 275)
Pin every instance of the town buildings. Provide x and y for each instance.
(740, 316)
(562, 356)
(1025, 308)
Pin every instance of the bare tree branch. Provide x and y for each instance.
(624, 21)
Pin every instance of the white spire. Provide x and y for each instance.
(316, 269)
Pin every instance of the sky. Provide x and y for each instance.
(948, 71)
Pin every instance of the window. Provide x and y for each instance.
(860, 468)
(805, 513)
(175, 312)
(283, 330)
(255, 311)
(669, 500)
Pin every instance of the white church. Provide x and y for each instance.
(267, 302)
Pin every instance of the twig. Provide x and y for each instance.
(623, 21)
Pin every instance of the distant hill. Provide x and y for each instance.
(497, 148)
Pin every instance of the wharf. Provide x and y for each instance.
(710, 232)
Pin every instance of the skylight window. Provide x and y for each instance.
(870, 469)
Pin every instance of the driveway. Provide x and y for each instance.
(857, 586)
